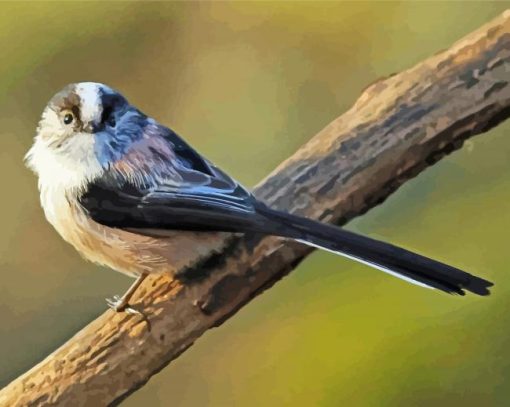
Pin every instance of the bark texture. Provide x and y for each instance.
(398, 127)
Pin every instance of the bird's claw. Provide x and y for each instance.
(118, 304)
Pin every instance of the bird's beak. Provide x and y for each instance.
(92, 127)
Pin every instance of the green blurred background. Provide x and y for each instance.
(247, 84)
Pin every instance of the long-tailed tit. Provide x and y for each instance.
(116, 184)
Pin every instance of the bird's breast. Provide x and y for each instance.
(129, 252)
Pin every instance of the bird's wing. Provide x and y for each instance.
(193, 195)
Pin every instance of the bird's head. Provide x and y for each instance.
(83, 130)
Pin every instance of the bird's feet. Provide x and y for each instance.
(120, 304)
(117, 303)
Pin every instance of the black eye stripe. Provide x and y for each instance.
(76, 111)
(107, 117)
(112, 103)
(111, 99)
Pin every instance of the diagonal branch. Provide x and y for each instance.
(398, 127)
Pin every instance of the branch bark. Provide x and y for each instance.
(398, 127)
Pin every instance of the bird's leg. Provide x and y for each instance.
(119, 304)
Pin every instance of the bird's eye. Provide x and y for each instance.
(68, 118)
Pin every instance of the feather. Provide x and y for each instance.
(161, 184)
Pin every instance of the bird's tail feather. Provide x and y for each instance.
(399, 262)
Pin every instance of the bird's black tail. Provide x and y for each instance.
(399, 262)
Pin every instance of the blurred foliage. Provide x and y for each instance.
(248, 83)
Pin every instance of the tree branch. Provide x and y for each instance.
(398, 127)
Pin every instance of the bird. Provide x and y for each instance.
(118, 186)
